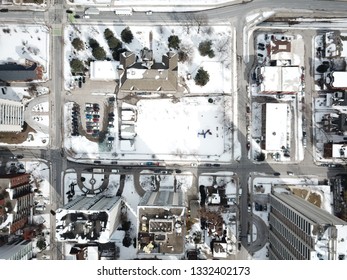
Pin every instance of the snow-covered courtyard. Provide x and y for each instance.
(30, 42)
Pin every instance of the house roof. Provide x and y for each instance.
(160, 77)
(18, 72)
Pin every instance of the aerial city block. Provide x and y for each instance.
(197, 130)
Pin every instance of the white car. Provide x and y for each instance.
(193, 164)
(149, 12)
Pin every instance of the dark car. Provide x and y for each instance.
(3, 10)
(83, 79)
(260, 55)
(127, 167)
(208, 164)
(178, 171)
(277, 174)
(77, 16)
(97, 161)
(216, 165)
(69, 12)
(79, 84)
(20, 156)
(111, 114)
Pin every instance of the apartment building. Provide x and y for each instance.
(299, 230)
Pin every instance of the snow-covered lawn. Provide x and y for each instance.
(18, 42)
(147, 182)
(184, 182)
(191, 128)
(179, 126)
(219, 66)
(206, 180)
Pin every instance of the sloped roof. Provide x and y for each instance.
(18, 72)
(160, 77)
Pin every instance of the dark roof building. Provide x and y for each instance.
(10, 72)
(147, 75)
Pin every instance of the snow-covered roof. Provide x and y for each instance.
(127, 145)
(339, 79)
(280, 78)
(276, 126)
(12, 117)
(339, 151)
(104, 70)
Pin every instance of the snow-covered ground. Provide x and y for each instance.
(204, 125)
(40, 176)
(219, 66)
(19, 42)
(211, 115)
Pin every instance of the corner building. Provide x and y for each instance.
(299, 230)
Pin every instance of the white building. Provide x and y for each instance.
(339, 150)
(280, 79)
(299, 230)
(18, 250)
(276, 126)
(104, 70)
(11, 116)
(339, 79)
(86, 219)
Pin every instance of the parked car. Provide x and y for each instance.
(216, 165)
(69, 12)
(277, 174)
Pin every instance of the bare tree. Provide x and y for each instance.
(200, 20)
(186, 52)
(188, 22)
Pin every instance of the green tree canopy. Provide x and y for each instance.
(108, 33)
(77, 66)
(174, 42)
(93, 43)
(99, 53)
(205, 48)
(126, 35)
(78, 44)
(202, 77)
(114, 43)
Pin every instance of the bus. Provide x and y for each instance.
(124, 11)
